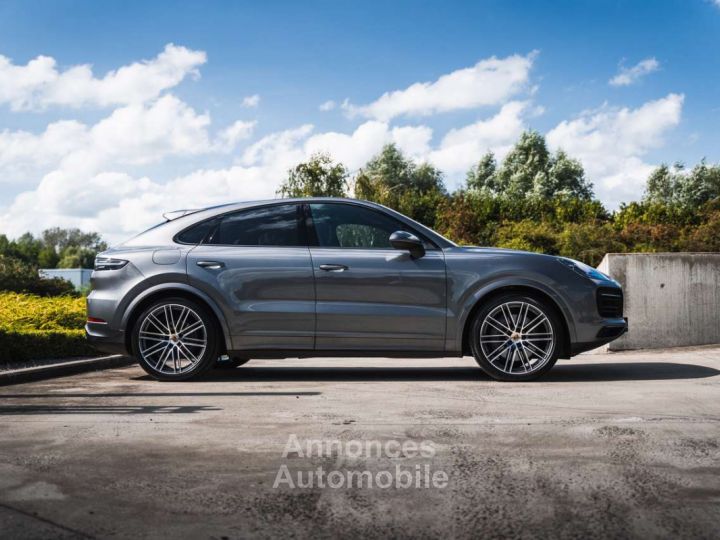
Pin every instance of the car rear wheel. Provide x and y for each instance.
(175, 339)
(516, 338)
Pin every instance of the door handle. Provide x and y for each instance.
(212, 265)
(333, 267)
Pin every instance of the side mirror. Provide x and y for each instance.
(407, 241)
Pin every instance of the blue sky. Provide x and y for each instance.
(122, 157)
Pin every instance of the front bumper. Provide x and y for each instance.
(106, 339)
(609, 331)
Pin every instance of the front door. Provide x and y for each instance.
(371, 296)
(256, 265)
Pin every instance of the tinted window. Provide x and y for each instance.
(267, 226)
(196, 233)
(351, 226)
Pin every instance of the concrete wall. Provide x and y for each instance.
(671, 299)
(77, 276)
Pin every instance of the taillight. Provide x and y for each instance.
(108, 263)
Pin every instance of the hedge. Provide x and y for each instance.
(19, 346)
(34, 327)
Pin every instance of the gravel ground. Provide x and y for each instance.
(618, 445)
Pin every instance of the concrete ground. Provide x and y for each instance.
(619, 445)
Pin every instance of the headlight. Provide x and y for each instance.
(585, 270)
(107, 263)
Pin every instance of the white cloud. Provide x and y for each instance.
(250, 102)
(611, 144)
(23, 154)
(83, 169)
(136, 134)
(461, 148)
(282, 145)
(356, 148)
(92, 191)
(489, 82)
(627, 76)
(330, 104)
(39, 84)
(236, 132)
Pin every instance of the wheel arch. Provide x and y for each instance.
(531, 291)
(156, 293)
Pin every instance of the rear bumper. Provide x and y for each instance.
(609, 331)
(106, 339)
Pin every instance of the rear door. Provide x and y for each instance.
(371, 296)
(255, 263)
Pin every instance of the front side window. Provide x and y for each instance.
(352, 226)
(277, 225)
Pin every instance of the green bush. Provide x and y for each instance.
(35, 327)
(527, 235)
(19, 276)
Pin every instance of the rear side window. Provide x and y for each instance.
(267, 226)
(196, 233)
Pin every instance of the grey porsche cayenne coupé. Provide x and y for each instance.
(336, 277)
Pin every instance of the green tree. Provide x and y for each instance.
(76, 257)
(318, 177)
(396, 181)
(481, 177)
(528, 235)
(589, 242)
(59, 239)
(525, 166)
(27, 248)
(660, 186)
(531, 170)
(48, 257)
(686, 190)
(468, 218)
(706, 237)
(566, 176)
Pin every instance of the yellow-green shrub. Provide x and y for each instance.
(33, 327)
(26, 311)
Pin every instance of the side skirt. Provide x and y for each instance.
(279, 354)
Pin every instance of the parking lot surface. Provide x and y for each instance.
(619, 445)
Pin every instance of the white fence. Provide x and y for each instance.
(79, 277)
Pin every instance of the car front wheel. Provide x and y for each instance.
(175, 339)
(516, 338)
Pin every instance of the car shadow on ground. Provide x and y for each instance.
(640, 371)
(12, 410)
(29, 409)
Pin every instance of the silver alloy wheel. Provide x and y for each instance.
(517, 337)
(172, 339)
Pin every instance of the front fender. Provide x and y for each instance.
(476, 293)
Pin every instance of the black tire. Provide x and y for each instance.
(231, 362)
(507, 353)
(169, 369)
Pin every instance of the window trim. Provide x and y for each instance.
(299, 221)
(314, 243)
